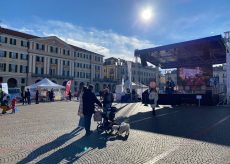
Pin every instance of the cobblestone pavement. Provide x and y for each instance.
(47, 133)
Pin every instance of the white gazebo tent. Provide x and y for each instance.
(46, 85)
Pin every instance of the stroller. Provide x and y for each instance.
(105, 120)
(108, 124)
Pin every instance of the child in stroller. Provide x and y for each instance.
(109, 125)
(107, 121)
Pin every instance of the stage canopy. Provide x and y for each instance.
(194, 53)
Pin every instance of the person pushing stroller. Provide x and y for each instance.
(107, 100)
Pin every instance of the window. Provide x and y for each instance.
(23, 69)
(2, 66)
(13, 55)
(24, 57)
(39, 70)
(78, 54)
(77, 74)
(68, 52)
(13, 68)
(51, 49)
(3, 39)
(63, 51)
(23, 80)
(52, 71)
(84, 56)
(12, 41)
(68, 63)
(78, 65)
(56, 50)
(24, 43)
(56, 61)
(75, 54)
(40, 46)
(2, 53)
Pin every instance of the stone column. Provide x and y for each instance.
(45, 64)
(61, 64)
(72, 68)
(34, 63)
(48, 65)
(30, 62)
(59, 67)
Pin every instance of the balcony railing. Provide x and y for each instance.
(52, 76)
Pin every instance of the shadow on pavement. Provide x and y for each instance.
(77, 149)
(209, 124)
(50, 146)
(71, 152)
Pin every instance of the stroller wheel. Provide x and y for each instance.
(100, 128)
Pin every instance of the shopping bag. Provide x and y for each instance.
(16, 109)
(97, 116)
(81, 122)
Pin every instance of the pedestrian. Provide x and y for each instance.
(89, 99)
(70, 95)
(153, 96)
(51, 95)
(26, 93)
(107, 99)
(23, 97)
(13, 104)
(6, 104)
(37, 97)
(28, 96)
(80, 109)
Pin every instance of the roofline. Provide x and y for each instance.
(30, 37)
(169, 46)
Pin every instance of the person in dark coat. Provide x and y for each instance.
(70, 95)
(89, 99)
(23, 97)
(28, 96)
(37, 96)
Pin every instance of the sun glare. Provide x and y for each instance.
(146, 14)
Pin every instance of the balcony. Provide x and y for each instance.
(52, 76)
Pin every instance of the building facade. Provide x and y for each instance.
(26, 59)
(117, 69)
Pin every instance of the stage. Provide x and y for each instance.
(178, 99)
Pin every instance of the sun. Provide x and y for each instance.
(146, 14)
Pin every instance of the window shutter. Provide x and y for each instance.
(20, 68)
(21, 56)
(5, 39)
(42, 59)
(43, 47)
(10, 40)
(16, 55)
(10, 54)
(9, 67)
(21, 43)
(4, 67)
(27, 56)
(28, 44)
(4, 53)
(16, 68)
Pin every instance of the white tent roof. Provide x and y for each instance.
(45, 83)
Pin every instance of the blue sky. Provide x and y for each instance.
(114, 27)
